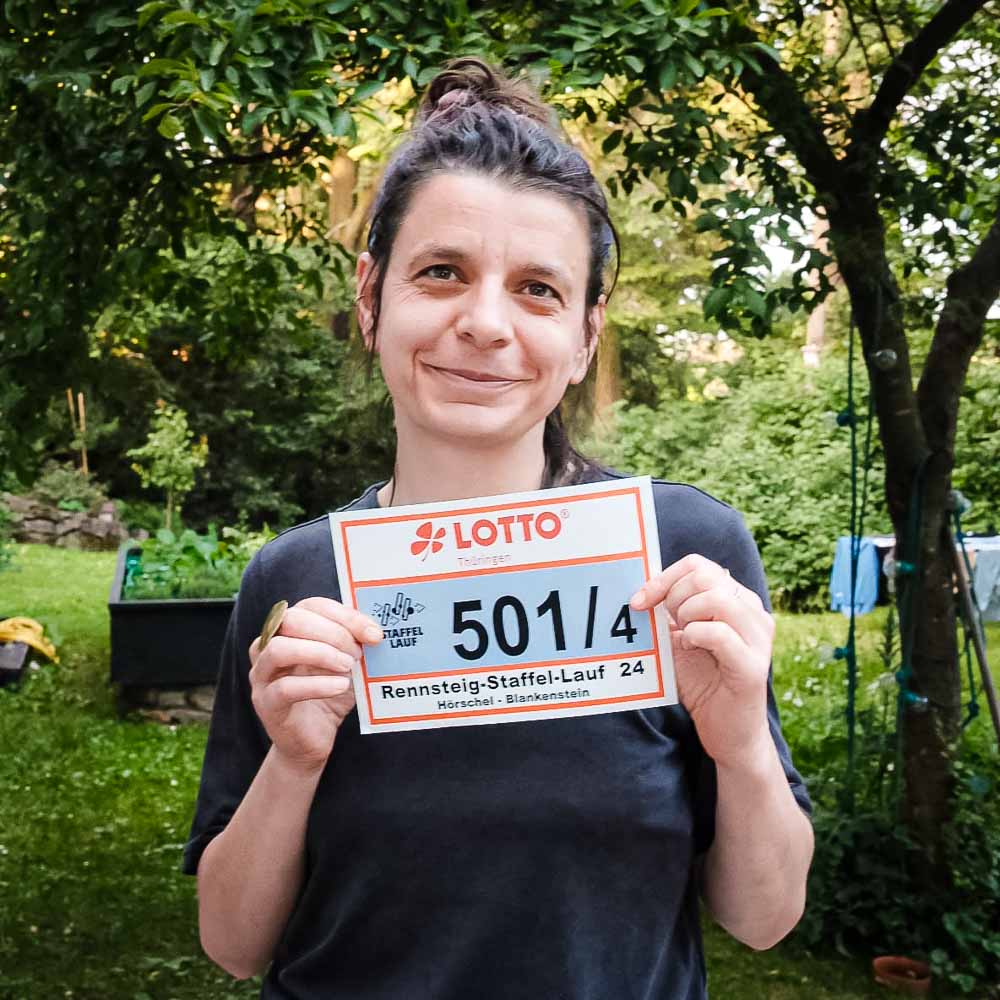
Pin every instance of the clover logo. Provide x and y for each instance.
(427, 540)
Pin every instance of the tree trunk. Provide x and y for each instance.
(858, 237)
(170, 510)
(917, 431)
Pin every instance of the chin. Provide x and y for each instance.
(483, 425)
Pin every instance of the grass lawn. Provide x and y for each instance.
(95, 810)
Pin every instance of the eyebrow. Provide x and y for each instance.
(456, 255)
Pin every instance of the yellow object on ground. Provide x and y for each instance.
(29, 631)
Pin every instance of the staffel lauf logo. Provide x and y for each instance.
(428, 540)
(401, 610)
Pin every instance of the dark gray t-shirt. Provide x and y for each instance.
(550, 859)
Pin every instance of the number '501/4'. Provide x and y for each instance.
(622, 627)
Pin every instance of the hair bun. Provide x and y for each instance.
(467, 81)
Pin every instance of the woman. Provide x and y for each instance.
(558, 858)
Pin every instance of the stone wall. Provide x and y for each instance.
(33, 521)
(169, 705)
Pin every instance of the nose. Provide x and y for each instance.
(485, 319)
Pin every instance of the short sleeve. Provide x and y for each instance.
(237, 742)
(738, 553)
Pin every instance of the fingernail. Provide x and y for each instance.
(637, 601)
(373, 634)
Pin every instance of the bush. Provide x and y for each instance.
(771, 449)
(6, 550)
(869, 889)
(64, 486)
(866, 894)
(141, 515)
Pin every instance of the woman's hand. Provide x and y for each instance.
(301, 683)
(721, 638)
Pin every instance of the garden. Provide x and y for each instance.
(805, 325)
(97, 808)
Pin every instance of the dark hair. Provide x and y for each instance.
(475, 118)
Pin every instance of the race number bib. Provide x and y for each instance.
(507, 608)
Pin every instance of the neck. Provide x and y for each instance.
(453, 470)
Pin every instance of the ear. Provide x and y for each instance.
(364, 280)
(587, 351)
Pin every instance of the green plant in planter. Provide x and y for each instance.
(192, 565)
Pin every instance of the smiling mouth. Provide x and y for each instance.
(479, 378)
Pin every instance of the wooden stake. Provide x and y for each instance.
(72, 410)
(83, 432)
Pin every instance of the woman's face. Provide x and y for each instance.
(482, 316)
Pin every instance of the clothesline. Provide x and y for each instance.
(872, 550)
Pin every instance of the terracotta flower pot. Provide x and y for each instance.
(904, 975)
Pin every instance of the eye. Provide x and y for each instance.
(539, 290)
(442, 272)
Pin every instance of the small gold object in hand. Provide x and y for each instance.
(272, 623)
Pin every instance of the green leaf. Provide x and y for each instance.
(343, 123)
(635, 64)
(164, 67)
(755, 302)
(206, 124)
(148, 10)
(668, 75)
(379, 42)
(695, 65)
(250, 121)
(183, 17)
(611, 142)
(677, 182)
(144, 94)
(339, 6)
(410, 67)
(242, 26)
(367, 89)
(169, 126)
(770, 50)
(215, 52)
(716, 301)
(157, 109)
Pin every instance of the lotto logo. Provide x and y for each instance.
(427, 540)
(486, 532)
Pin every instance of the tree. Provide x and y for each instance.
(128, 125)
(889, 140)
(132, 135)
(169, 458)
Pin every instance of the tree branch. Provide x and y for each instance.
(883, 29)
(781, 104)
(972, 289)
(856, 32)
(871, 124)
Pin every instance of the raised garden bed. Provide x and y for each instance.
(164, 643)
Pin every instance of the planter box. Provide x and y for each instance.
(165, 643)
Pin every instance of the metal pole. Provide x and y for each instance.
(977, 637)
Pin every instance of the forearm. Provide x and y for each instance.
(250, 874)
(754, 875)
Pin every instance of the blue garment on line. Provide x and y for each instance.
(866, 584)
(986, 583)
